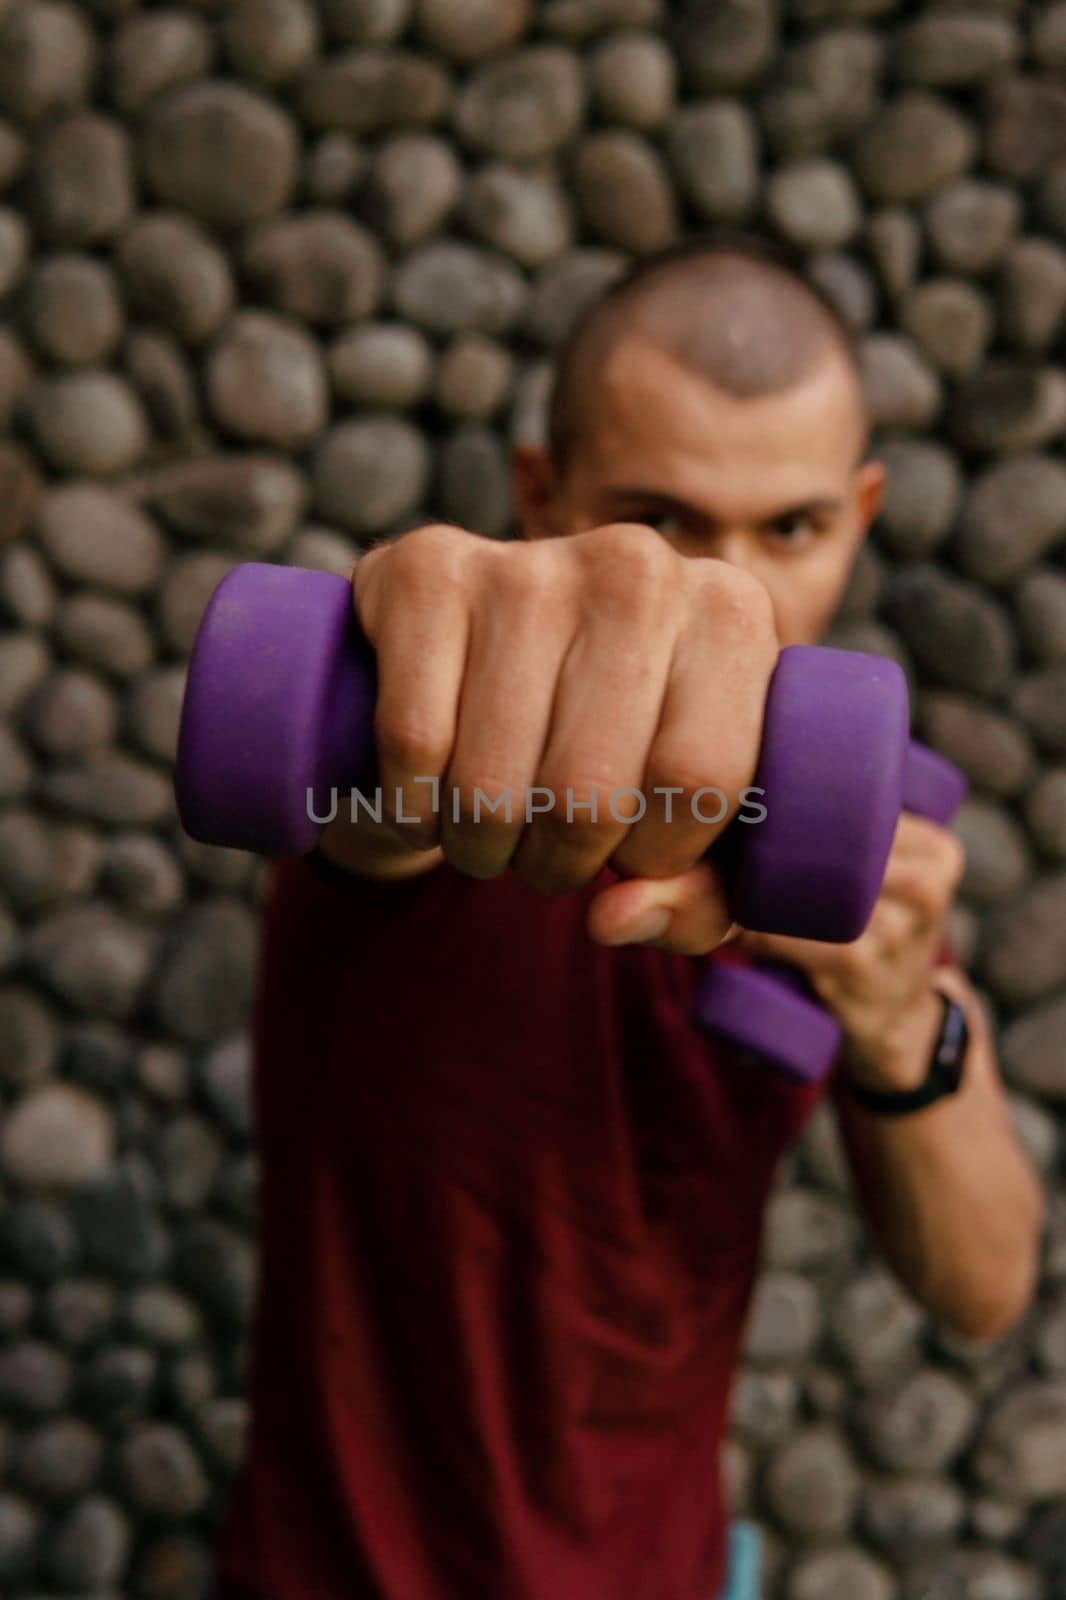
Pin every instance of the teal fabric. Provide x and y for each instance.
(742, 1582)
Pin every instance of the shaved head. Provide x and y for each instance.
(748, 324)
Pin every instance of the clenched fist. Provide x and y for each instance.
(600, 681)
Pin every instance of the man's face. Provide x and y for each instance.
(771, 484)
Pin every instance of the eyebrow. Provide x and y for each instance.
(824, 505)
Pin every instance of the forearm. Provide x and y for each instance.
(950, 1193)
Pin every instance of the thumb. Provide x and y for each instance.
(687, 914)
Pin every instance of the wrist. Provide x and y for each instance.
(897, 1060)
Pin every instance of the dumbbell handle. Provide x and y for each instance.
(279, 718)
(770, 1010)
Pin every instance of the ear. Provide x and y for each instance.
(869, 492)
(536, 491)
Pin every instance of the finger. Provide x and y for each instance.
(706, 747)
(516, 646)
(810, 955)
(418, 624)
(606, 710)
(688, 914)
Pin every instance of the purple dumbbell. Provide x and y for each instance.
(770, 1010)
(279, 707)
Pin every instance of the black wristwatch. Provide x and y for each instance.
(944, 1074)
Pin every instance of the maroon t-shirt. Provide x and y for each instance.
(511, 1211)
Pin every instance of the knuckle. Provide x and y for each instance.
(433, 561)
(739, 602)
(631, 569)
(408, 742)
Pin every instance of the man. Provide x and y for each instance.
(512, 1198)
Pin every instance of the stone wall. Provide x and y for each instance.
(281, 277)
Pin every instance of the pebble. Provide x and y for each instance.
(220, 151)
(365, 21)
(922, 493)
(110, 788)
(524, 214)
(806, 1230)
(971, 224)
(174, 273)
(88, 423)
(29, 1039)
(14, 250)
(901, 389)
(997, 858)
(56, 1135)
(59, 1460)
(413, 185)
(217, 1265)
(951, 51)
(251, 502)
(156, 1314)
(875, 1326)
(1009, 407)
(226, 1079)
(1045, 813)
(1018, 1454)
(118, 1384)
(576, 20)
(47, 59)
(319, 267)
(203, 984)
(1014, 513)
(914, 146)
(824, 89)
(92, 958)
(27, 592)
(89, 1545)
(381, 365)
(324, 550)
(369, 473)
(763, 1408)
(39, 1240)
(1025, 126)
(20, 1532)
(1022, 956)
(920, 1424)
(951, 322)
(841, 1572)
(895, 242)
(71, 713)
(270, 41)
(141, 874)
(991, 750)
(82, 188)
(370, 91)
(35, 1379)
(623, 193)
(848, 286)
(474, 481)
(13, 155)
(91, 536)
(524, 106)
(78, 1311)
(633, 80)
(812, 1484)
(152, 53)
(465, 33)
(566, 288)
(162, 1473)
(724, 46)
(23, 663)
(73, 311)
(332, 169)
(1037, 700)
(1040, 607)
(449, 287)
(912, 1512)
(1033, 293)
(955, 630)
(173, 1566)
(42, 862)
(813, 203)
(266, 382)
(473, 377)
(159, 372)
(190, 1160)
(712, 148)
(785, 1321)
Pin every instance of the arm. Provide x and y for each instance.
(948, 1191)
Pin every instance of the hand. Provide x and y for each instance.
(567, 668)
(880, 987)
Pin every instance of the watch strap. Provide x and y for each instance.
(944, 1074)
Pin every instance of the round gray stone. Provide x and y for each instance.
(1023, 947)
(332, 168)
(949, 51)
(141, 874)
(47, 59)
(920, 1424)
(162, 377)
(524, 106)
(922, 492)
(992, 751)
(73, 311)
(785, 1322)
(60, 1459)
(21, 1527)
(848, 286)
(1025, 125)
(467, 30)
(413, 185)
(623, 193)
(895, 242)
(474, 481)
(35, 1379)
(319, 267)
(152, 52)
(250, 501)
(93, 537)
(875, 1326)
(27, 592)
(997, 859)
(217, 1264)
(1045, 813)
(712, 148)
(633, 79)
(324, 550)
(473, 377)
(266, 382)
(951, 322)
(1037, 700)
(1040, 607)
(104, 633)
(71, 713)
(1017, 1455)
(1014, 514)
(220, 151)
(814, 204)
(381, 365)
(914, 146)
(1008, 407)
(14, 249)
(176, 275)
(524, 214)
(89, 1545)
(841, 1572)
(723, 44)
(226, 1078)
(82, 181)
(204, 981)
(912, 1512)
(1033, 293)
(370, 91)
(369, 473)
(365, 21)
(270, 41)
(971, 224)
(901, 389)
(93, 959)
(88, 423)
(163, 1475)
(812, 1484)
(449, 287)
(566, 288)
(29, 1041)
(78, 1312)
(956, 632)
(111, 788)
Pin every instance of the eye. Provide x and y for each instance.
(794, 531)
(668, 523)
